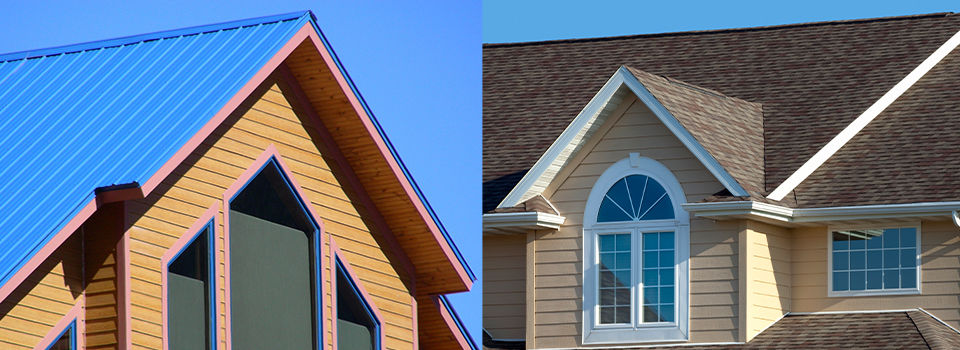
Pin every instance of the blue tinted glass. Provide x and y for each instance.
(666, 258)
(858, 280)
(858, 260)
(841, 261)
(841, 281)
(607, 280)
(666, 313)
(660, 211)
(874, 259)
(637, 183)
(666, 240)
(623, 260)
(908, 257)
(650, 277)
(876, 239)
(891, 279)
(666, 295)
(858, 242)
(666, 277)
(607, 243)
(650, 259)
(650, 295)
(891, 238)
(618, 193)
(623, 243)
(908, 237)
(610, 212)
(623, 278)
(874, 279)
(840, 241)
(908, 278)
(650, 241)
(891, 258)
(650, 314)
(608, 261)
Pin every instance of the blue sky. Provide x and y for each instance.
(418, 67)
(534, 20)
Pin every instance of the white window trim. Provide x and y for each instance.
(862, 293)
(593, 332)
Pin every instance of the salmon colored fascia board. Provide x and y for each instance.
(269, 153)
(74, 315)
(447, 317)
(335, 254)
(210, 215)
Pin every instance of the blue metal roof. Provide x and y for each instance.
(79, 117)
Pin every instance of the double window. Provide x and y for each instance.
(875, 261)
(636, 247)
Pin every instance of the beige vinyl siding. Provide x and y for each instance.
(558, 262)
(940, 275)
(43, 299)
(160, 219)
(767, 276)
(504, 285)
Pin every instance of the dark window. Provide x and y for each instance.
(357, 327)
(189, 296)
(273, 266)
(67, 340)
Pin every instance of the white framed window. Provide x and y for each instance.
(873, 260)
(636, 253)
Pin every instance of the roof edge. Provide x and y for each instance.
(126, 40)
(717, 31)
(444, 303)
(785, 215)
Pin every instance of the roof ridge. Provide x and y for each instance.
(157, 35)
(718, 31)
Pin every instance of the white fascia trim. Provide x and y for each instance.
(588, 115)
(938, 319)
(822, 214)
(522, 220)
(956, 218)
(865, 118)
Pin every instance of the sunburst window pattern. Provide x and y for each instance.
(635, 198)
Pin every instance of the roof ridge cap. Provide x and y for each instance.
(150, 36)
(719, 31)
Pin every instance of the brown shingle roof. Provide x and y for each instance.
(812, 80)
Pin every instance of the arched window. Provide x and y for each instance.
(636, 252)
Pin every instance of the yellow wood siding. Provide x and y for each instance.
(157, 221)
(504, 283)
(766, 275)
(939, 271)
(43, 299)
(558, 271)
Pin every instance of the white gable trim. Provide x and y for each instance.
(581, 128)
(858, 124)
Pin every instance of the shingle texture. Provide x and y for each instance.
(811, 80)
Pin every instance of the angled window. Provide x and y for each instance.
(636, 250)
(874, 261)
(190, 294)
(357, 325)
(67, 340)
(273, 265)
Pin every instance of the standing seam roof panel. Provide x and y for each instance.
(97, 116)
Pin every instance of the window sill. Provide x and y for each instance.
(630, 334)
(868, 293)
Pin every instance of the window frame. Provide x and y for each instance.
(339, 262)
(207, 222)
(873, 292)
(72, 327)
(635, 332)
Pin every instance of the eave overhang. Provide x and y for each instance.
(785, 216)
(511, 223)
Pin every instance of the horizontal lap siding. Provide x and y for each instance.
(504, 285)
(162, 218)
(559, 276)
(940, 275)
(43, 299)
(768, 276)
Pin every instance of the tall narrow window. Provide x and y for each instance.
(190, 295)
(67, 339)
(357, 326)
(636, 252)
(274, 266)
